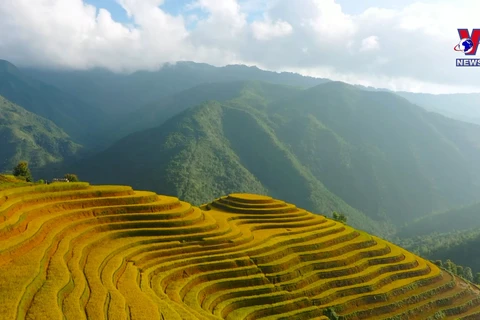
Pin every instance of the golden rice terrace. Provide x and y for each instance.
(75, 251)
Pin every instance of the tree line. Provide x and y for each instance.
(458, 270)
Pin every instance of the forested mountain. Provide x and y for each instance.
(27, 136)
(123, 93)
(331, 147)
(78, 119)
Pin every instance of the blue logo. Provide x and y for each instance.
(465, 45)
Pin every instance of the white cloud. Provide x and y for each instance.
(406, 47)
(370, 43)
(329, 21)
(267, 29)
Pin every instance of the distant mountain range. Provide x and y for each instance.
(123, 93)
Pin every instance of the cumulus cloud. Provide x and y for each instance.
(265, 30)
(408, 47)
(370, 43)
(72, 34)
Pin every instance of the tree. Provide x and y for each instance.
(460, 271)
(22, 170)
(450, 266)
(468, 274)
(339, 217)
(438, 263)
(477, 278)
(71, 177)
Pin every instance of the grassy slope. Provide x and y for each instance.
(8, 181)
(27, 136)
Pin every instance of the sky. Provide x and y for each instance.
(404, 45)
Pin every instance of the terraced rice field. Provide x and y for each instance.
(75, 251)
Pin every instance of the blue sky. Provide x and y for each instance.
(118, 14)
(176, 7)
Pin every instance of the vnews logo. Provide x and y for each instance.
(468, 45)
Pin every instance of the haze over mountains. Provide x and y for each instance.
(76, 117)
(27, 136)
(198, 131)
(125, 93)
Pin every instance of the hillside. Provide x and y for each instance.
(112, 252)
(75, 117)
(380, 153)
(372, 150)
(27, 136)
(125, 93)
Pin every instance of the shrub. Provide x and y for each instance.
(22, 170)
(339, 217)
(71, 177)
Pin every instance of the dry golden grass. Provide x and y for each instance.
(75, 251)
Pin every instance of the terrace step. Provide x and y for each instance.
(111, 252)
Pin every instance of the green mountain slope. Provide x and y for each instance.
(77, 118)
(375, 151)
(380, 153)
(27, 136)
